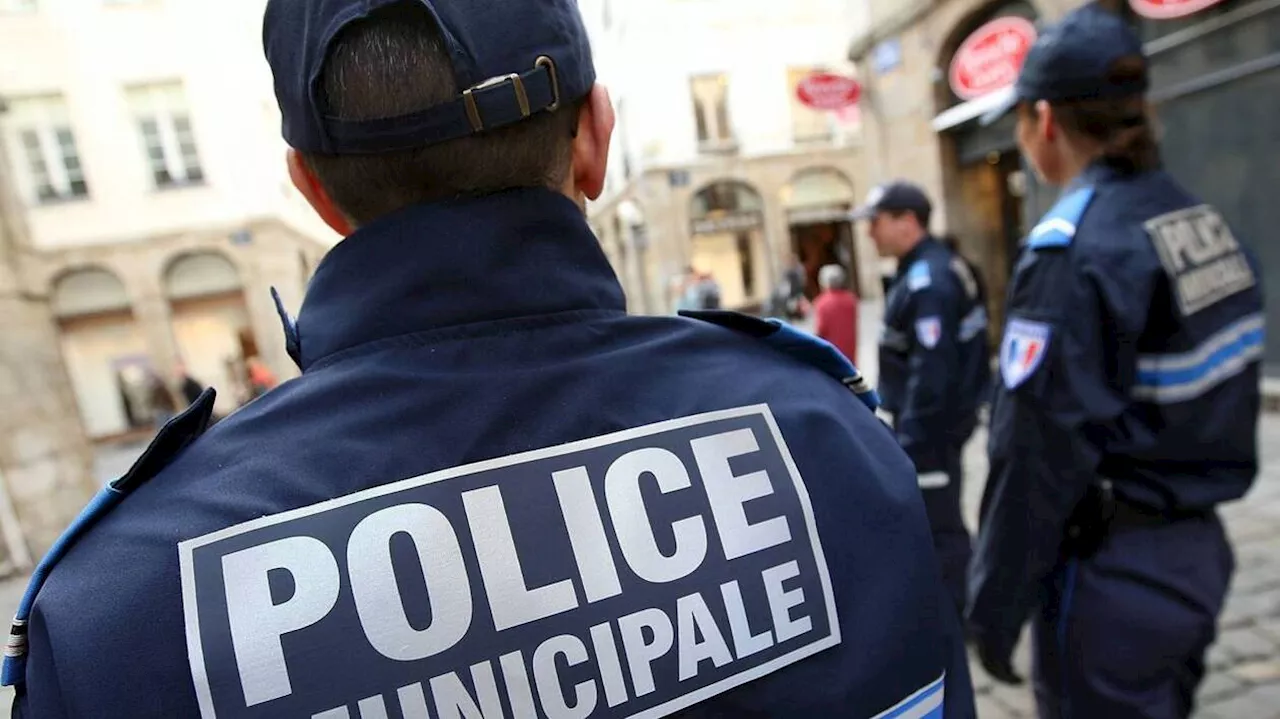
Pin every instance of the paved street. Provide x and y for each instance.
(1244, 679)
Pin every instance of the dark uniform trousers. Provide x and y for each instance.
(943, 504)
(1142, 610)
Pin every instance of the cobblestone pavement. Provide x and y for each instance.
(1244, 665)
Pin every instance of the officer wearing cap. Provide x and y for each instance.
(934, 362)
(491, 492)
(1129, 402)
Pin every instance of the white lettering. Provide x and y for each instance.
(1178, 240)
(518, 689)
(377, 594)
(694, 618)
(257, 622)
(781, 602)
(510, 598)
(547, 677)
(728, 494)
(744, 642)
(615, 689)
(453, 701)
(372, 708)
(339, 713)
(586, 534)
(413, 704)
(641, 653)
(631, 520)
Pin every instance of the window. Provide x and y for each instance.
(807, 124)
(711, 110)
(17, 6)
(164, 123)
(46, 149)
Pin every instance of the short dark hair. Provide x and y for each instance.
(394, 63)
(921, 217)
(1122, 126)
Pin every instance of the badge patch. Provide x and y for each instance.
(631, 574)
(929, 331)
(1022, 350)
(1202, 258)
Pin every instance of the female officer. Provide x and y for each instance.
(1129, 400)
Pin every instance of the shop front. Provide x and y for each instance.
(1215, 70)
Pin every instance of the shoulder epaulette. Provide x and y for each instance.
(176, 435)
(805, 347)
(1058, 227)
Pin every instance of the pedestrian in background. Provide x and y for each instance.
(1129, 404)
(934, 362)
(835, 311)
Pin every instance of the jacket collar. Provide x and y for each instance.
(513, 254)
(916, 253)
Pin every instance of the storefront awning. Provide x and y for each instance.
(971, 110)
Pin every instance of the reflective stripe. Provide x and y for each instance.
(895, 340)
(926, 703)
(934, 480)
(1166, 379)
(973, 324)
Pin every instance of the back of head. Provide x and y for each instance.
(833, 277)
(392, 103)
(396, 63)
(1121, 128)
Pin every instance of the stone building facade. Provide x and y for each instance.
(716, 165)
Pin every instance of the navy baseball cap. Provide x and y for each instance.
(1070, 60)
(515, 58)
(896, 196)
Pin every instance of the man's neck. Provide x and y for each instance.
(911, 245)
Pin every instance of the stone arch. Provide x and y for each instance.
(104, 350)
(88, 290)
(200, 273)
(210, 322)
(817, 202)
(727, 242)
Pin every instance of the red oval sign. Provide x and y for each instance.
(828, 91)
(1170, 9)
(989, 59)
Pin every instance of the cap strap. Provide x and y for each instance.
(489, 105)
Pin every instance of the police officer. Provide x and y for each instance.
(934, 361)
(1129, 401)
(491, 492)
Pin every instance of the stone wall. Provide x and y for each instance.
(45, 461)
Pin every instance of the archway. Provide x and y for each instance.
(818, 202)
(211, 325)
(988, 189)
(105, 353)
(727, 243)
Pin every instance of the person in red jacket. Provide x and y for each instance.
(835, 311)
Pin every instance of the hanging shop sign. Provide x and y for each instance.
(990, 58)
(1170, 9)
(828, 91)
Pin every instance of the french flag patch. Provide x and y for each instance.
(1022, 351)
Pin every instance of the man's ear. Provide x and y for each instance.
(591, 144)
(309, 185)
(1045, 121)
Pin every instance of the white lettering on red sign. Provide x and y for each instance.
(827, 91)
(1170, 9)
(990, 58)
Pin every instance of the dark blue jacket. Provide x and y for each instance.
(490, 481)
(934, 362)
(1131, 353)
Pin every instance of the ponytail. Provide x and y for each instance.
(1123, 128)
